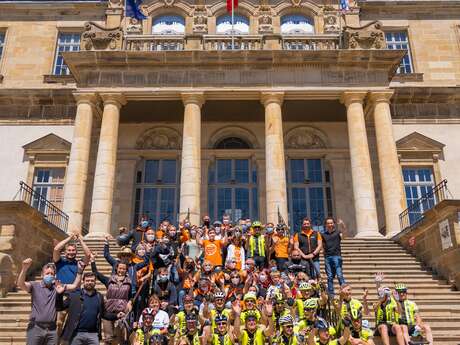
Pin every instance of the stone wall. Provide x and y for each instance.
(23, 233)
(436, 240)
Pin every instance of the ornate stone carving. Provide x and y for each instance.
(265, 18)
(369, 36)
(161, 138)
(96, 37)
(305, 138)
(296, 3)
(169, 3)
(134, 27)
(116, 3)
(331, 22)
(200, 19)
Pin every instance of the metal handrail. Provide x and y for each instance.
(413, 214)
(52, 213)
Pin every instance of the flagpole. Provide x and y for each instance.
(233, 23)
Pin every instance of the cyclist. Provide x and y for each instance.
(253, 332)
(386, 315)
(321, 335)
(409, 319)
(143, 334)
(218, 311)
(361, 334)
(221, 335)
(287, 335)
(250, 303)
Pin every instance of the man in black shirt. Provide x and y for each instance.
(332, 238)
(85, 310)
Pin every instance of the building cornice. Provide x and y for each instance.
(415, 5)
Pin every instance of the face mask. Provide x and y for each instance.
(48, 280)
(144, 224)
(244, 227)
(150, 238)
(163, 279)
(269, 230)
(192, 233)
(218, 230)
(263, 278)
(235, 281)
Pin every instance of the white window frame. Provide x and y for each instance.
(393, 44)
(73, 47)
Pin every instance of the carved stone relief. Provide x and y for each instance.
(159, 139)
(370, 36)
(265, 18)
(134, 27)
(331, 22)
(96, 37)
(200, 19)
(305, 138)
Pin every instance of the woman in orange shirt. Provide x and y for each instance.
(281, 244)
(212, 248)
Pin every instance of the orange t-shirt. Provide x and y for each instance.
(213, 252)
(281, 246)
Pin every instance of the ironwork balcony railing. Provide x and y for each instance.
(52, 213)
(224, 42)
(316, 42)
(154, 42)
(416, 211)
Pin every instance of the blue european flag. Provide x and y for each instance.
(344, 5)
(133, 10)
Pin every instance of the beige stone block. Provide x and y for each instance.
(7, 230)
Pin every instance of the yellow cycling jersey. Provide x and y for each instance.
(409, 310)
(221, 340)
(330, 342)
(387, 314)
(363, 334)
(281, 340)
(258, 338)
(143, 338)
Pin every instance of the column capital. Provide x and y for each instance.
(193, 98)
(115, 98)
(90, 98)
(381, 96)
(349, 97)
(271, 97)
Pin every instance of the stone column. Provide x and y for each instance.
(275, 168)
(190, 181)
(361, 171)
(390, 170)
(104, 176)
(77, 169)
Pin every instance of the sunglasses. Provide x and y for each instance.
(288, 326)
(221, 324)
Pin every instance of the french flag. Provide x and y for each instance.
(231, 5)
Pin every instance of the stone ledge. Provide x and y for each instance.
(407, 77)
(24, 232)
(58, 79)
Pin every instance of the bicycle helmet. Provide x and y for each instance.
(310, 303)
(400, 287)
(147, 312)
(321, 324)
(219, 294)
(256, 224)
(278, 297)
(250, 295)
(221, 318)
(286, 320)
(304, 286)
(251, 315)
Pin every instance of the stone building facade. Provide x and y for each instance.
(299, 109)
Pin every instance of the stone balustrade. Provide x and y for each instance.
(154, 42)
(313, 42)
(224, 42)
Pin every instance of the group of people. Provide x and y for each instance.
(212, 284)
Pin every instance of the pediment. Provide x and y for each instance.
(49, 143)
(419, 142)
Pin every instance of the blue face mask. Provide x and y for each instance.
(244, 227)
(144, 223)
(48, 280)
(269, 230)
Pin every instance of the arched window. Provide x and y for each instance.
(232, 143)
(240, 24)
(171, 24)
(296, 24)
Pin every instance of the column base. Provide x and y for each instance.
(369, 234)
(96, 235)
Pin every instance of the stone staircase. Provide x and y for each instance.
(438, 303)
